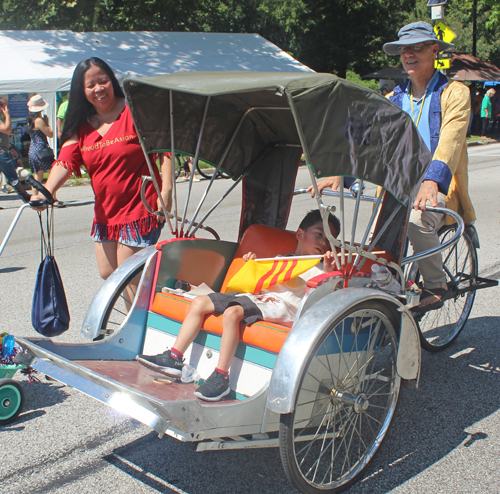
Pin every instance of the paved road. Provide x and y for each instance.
(444, 439)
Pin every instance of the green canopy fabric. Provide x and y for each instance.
(342, 128)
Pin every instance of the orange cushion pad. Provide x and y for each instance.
(265, 335)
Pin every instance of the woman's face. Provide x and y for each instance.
(98, 88)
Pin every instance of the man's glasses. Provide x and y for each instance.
(417, 47)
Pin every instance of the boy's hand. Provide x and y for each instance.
(249, 256)
(329, 262)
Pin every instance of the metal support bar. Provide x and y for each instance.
(12, 226)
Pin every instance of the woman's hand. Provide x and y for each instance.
(166, 195)
(249, 256)
(38, 197)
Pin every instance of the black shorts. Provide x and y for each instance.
(221, 301)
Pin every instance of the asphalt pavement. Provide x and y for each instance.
(444, 438)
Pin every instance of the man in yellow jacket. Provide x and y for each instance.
(441, 112)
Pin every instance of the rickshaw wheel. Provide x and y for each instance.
(120, 304)
(345, 403)
(440, 328)
(11, 400)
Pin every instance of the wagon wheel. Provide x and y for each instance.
(345, 402)
(120, 304)
(440, 328)
(11, 400)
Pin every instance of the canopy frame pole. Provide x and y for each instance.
(321, 206)
(355, 220)
(172, 153)
(200, 223)
(368, 227)
(195, 160)
(381, 232)
(153, 179)
(342, 221)
(223, 157)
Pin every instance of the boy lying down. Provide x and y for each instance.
(278, 303)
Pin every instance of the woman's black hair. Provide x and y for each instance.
(32, 116)
(79, 108)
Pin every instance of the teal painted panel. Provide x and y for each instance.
(210, 340)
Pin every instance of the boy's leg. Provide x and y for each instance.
(170, 362)
(230, 336)
(191, 326)
(217, 385)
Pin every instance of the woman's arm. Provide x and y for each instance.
(43, 125)
(166, 182)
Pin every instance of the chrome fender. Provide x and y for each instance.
(97, 309)
(299, 345)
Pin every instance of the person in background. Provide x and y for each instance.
(99, 133)
(61, 115)
(486, 111)
(7, 163)
(39, 129)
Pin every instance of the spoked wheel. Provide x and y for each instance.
(11, 400)
(440, 328)
(120, 304)
(177, 166)
(345, 402)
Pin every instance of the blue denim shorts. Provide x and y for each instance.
(150, 238)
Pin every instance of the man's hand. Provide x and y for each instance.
(249, 256)
(428, 192)
(324, 183)
(329, 262)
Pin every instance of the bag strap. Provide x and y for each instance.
(47, 239)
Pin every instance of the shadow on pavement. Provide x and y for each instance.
(456, 391)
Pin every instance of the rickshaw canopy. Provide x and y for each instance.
(341, 127)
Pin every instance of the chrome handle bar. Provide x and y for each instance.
(453, 240)
(334, 193)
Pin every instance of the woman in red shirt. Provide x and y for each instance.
(99, 134)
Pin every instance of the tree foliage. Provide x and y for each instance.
(328, 35)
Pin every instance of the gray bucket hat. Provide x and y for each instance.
(416, 32)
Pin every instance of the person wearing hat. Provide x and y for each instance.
(39, 129)
(440, 110)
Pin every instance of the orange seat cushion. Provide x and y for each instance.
(261, 334)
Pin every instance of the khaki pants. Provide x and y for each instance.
(422, 232)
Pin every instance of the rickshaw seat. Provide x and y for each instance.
(264, 241)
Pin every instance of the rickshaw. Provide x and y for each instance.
(324, 390)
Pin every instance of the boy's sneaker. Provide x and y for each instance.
(165, 363)
(214, 388)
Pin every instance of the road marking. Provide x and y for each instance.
(462, 352)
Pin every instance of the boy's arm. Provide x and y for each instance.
(248, 256)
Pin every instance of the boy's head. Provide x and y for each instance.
(311, 238)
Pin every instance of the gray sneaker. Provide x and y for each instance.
(214, 388)
(165, 363)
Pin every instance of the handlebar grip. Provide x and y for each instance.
(40, 188)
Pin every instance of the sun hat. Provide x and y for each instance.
(411, 34)
(37, 103)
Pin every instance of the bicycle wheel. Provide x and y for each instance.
(177, 166)
(440, 328)
(119, 305)
(345, 403)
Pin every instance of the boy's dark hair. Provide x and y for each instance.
(312, 217)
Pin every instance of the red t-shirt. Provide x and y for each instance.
(115, 163)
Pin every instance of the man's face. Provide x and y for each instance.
(419, 58)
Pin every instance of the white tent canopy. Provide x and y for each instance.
(43, 61)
